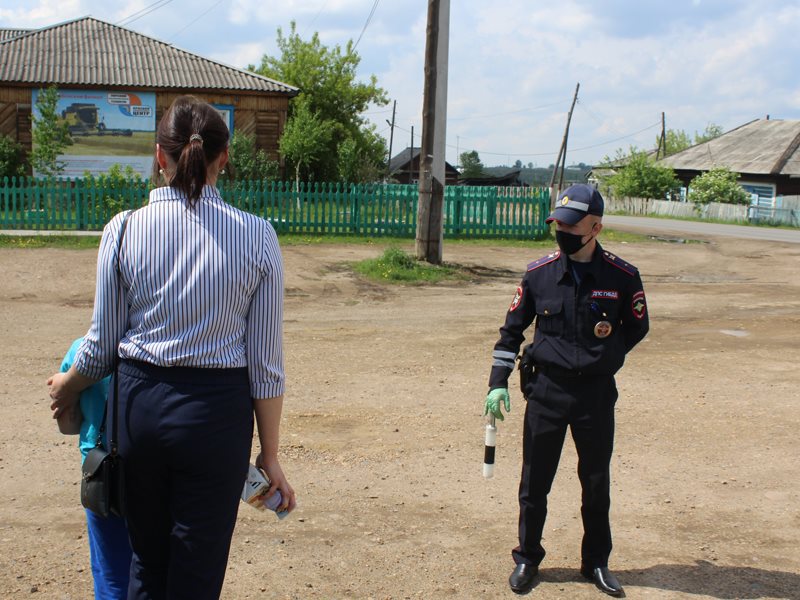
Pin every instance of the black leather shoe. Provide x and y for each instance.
(604, 580)
(521, 580)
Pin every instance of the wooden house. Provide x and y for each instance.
(764, 152)
(404, 168)
(107, 72)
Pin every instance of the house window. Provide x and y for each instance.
(761, 194)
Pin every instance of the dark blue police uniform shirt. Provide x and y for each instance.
(566, 316)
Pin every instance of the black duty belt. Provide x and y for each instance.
(561, 373)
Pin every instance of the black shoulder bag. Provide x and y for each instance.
(103, 477)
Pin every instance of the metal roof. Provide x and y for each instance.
(760, 147)
(88, 51)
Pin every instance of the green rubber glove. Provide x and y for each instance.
(493, 401)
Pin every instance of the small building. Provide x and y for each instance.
(764, 152)
(510, 178)
(404, 168)
(115, 84)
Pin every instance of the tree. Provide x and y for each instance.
(248, 162)
(330, 91)
(471, 165)
(717, 185)
(518, 164)
(357, 162)
(642, 177)
(675, 141)
(12, 160)
(709, 133)
(50, 134)
(305, 139)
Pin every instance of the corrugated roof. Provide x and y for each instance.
(763, 147)
(7, 34)
(88, 51)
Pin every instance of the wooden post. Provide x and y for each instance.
(391, 138)
(432, 148)
(562, 154)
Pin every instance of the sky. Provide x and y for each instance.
(513, 64)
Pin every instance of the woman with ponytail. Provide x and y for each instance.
(194, 311)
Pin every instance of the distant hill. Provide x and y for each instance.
(540, 176)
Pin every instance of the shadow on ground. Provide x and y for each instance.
(703, 578)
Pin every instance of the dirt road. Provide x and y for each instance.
(383, 434)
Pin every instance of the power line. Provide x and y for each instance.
(369, 18)
(143, 12)
(527, 154)
(511, 112)
(196, 19)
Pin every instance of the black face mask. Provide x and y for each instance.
(570, 243)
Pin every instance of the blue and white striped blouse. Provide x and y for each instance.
(203, 287)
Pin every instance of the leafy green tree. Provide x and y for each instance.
(249, 163)
(471, 165)
(717, 185)
(642, 177)
(331, 92)
(709, 133)
(357, 162)
(12, 158)
(305, 139)
(675, 141)
(50, 135)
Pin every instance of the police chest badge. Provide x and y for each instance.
(517, 299)
(602, 329)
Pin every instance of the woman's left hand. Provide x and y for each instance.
(62, 394)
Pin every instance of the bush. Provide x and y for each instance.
(717, 185)
(112, 183)
(247, 163)
(12, 158)
(642, 177)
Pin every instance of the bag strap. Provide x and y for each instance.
(112, 440)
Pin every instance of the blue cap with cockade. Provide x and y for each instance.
(576, 202)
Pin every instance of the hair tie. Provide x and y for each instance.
(196, 137)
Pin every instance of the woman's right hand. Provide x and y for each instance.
(277, 481)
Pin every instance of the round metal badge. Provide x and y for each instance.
(602, 329)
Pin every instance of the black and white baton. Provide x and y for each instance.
(488, 448)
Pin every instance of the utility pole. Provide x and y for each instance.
(391, 138)
(562, 154)
(662, 141)
(432, 148)
(411, 158)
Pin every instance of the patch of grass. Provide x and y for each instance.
(69, 242)
(396, 266)
(78, 242)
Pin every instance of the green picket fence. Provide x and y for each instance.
(335, 208)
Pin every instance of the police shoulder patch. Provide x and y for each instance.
(544, 260)
(619, 263)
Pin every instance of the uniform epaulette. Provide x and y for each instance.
(544, 260)
(619, 263)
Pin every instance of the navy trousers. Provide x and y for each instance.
(586, 405)
(185, 436)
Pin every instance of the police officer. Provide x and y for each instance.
(588, 309)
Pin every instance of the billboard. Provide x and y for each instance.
(106, 128)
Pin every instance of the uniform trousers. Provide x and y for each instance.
(185, 436)
(586, 405)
